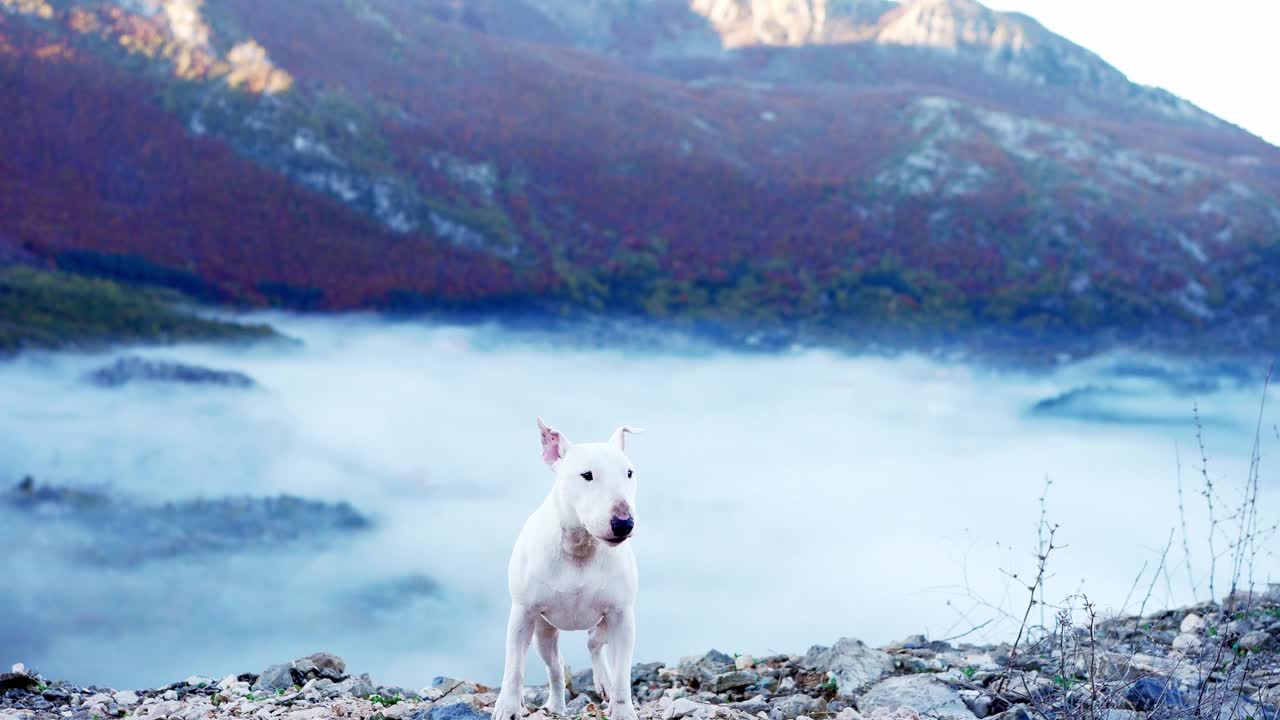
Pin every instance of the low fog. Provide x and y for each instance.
(785, 500)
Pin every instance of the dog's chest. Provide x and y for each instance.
(576, 600)
(575, 587)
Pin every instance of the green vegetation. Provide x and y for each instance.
(1064, 682)
(48, 310)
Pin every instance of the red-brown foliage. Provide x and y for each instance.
(89, 161)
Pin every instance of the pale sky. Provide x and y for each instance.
(1223, 56)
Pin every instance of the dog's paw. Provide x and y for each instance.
(601, 690)
(555, 704)
(619, 711)
(508, 709)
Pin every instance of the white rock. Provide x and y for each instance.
(159, 710)
(923, 693)
(848, 714)
(680, 708)
(170, 695)
(978, 702)
(1187, 643)
(127, 698)
(193, 712)
(316, 713)
(98, 699)
(19, 669)
(854, 665)
(744, 662)
(1192, 623)
(399, 710)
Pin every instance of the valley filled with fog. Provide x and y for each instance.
(785, 499)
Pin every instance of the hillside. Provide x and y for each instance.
(43, 310)
(842, 166)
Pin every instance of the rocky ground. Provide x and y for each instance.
(1214, 661)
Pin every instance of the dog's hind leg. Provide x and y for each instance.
(596, 638)
(547, 638)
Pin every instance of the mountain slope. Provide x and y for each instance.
(90, 161)
(850, 165)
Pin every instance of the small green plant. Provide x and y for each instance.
(386, 701)
(1213, 631)
(969, 671)
(830, 685)
(1065, 683)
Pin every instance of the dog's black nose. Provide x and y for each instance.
(622, 526)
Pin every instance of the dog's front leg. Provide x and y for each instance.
(510, 704)
(620, 646)
(548, 639)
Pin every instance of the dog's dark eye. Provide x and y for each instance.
(587, 476)
(628, 473)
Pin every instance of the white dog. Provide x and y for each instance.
(572, 569)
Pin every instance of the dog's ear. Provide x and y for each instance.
(619, 436)
(554, 445)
